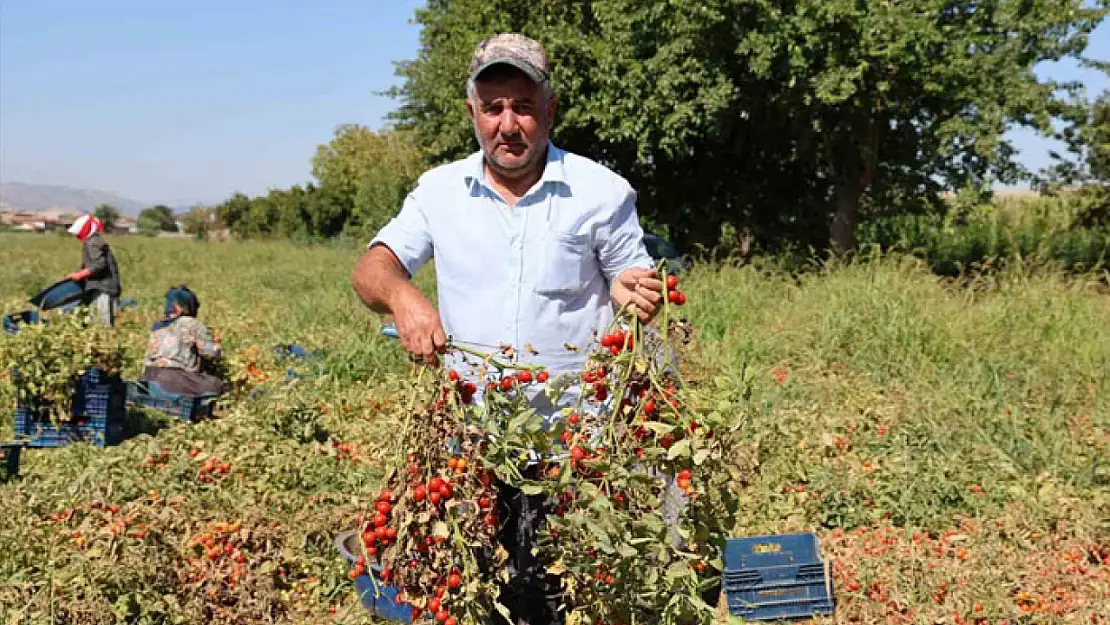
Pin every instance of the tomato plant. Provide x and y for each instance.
(45, 359)
(637, 470)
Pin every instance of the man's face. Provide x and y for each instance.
(512, 122)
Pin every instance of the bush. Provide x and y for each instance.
(1041, 229)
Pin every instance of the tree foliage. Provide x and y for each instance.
(1086, 137)
(362, 177)
(158, 218)
(199, 221)
(373, 170)
(789, 122)
(108, 215)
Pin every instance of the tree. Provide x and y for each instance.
(235, 212)
(158, 218)
(790, 122)
(363, 178)
(199, 221)
(108, 215)
(1086, 137)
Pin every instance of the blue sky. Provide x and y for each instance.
(180, 102)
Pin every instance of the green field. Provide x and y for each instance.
(949, 444)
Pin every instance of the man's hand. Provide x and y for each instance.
(418, 325)
(642, 288)
(78, 275)
(383, 285)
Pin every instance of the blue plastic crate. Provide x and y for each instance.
(375, 596)
(298, 356)
(99, 415)
(187, 408)
(777, 577)
(9, 461)
(13, 321)
(290, 350)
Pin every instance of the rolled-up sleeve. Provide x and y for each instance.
(620, 239)
(407, 235)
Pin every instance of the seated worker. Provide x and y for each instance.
(177, 343)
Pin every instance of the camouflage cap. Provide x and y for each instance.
(519, 51)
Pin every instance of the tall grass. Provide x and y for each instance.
(1043, 229)
(1002, 385)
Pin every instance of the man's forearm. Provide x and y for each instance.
(378, 277)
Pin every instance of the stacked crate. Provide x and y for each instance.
(98, 415)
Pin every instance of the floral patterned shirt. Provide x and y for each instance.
(180, 345)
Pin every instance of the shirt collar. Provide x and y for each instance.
(553, 169)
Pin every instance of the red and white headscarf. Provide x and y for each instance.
(85, 226)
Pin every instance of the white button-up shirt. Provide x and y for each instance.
(536, 275)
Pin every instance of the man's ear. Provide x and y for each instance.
(470, 108)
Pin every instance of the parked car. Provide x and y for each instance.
(660, 248)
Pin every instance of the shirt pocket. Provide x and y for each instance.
(566, 264)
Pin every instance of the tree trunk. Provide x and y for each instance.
(858, 167)
(843, 230)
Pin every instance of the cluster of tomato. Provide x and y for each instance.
(219, 540)
(212, 469)
(156, 461)
(345, 451)
(408, 534)
(437, 604)
(661, 407)
(617, 341)
(222, 554)
(378, 534)
(467, 389)
(598, 379)
(674, 296)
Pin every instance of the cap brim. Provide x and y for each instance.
(74, 229)
(531, 71)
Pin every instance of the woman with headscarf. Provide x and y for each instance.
(99, 273)
(177, 343)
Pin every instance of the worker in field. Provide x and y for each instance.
(99, 274)
(178, 343)
(534, 247)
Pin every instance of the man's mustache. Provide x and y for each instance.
(515, 139)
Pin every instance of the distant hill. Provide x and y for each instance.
(16, 196)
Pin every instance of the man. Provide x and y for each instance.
(534, 247)
(98, 270)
